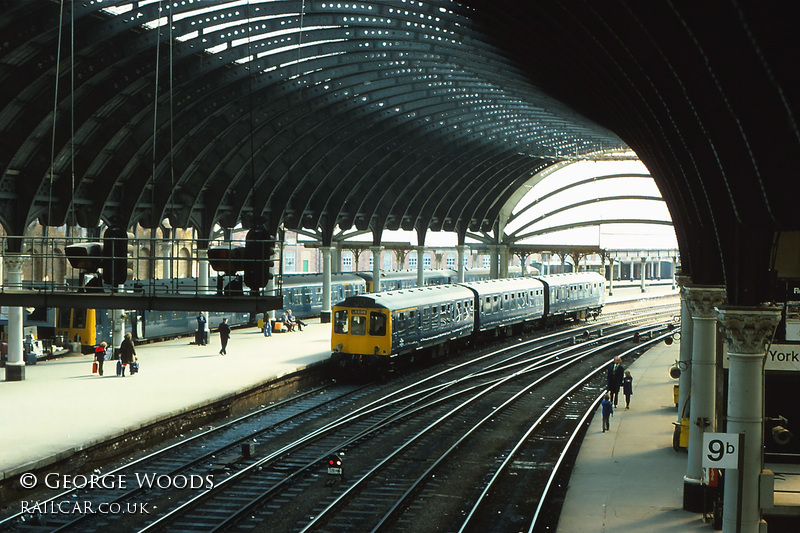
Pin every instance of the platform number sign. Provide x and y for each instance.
(721, 450)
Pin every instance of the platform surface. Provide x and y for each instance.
(61, 406)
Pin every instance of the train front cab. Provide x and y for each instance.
(78, 325)
(361, 337)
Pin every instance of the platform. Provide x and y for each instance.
(61, 407)
(630, 479)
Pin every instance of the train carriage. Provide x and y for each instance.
(577, 295)
(507, 302)
(372, 329)
(302, 293)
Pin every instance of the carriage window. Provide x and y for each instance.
(358, 325)
(79, 318)
(340, 322)
(377, 324)
(63, 317)
(496, 306)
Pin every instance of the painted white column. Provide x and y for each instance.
(461, 249)
(336, 258)
(15, 365)
(420, 266)
(376, 267)
(493, 260)
(202, 272)
(644, 272)
(685, 361)
(747, 331)
(611, 278)
(702, 300)
(503, 253)
(325, 315)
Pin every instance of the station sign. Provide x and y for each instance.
(780, 358)
(721, 450)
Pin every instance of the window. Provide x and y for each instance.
(486, 261)
(358, 325)
(347, 263)
(377, 324)
(79, 318)
(412, 260)
(426, 260)
(387, 261)
(340, 322)
(450, 261)
(289, 265)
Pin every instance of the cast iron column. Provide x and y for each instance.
(15, 365)
(702, 300)
(747, 331)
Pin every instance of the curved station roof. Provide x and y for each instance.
(423, 115)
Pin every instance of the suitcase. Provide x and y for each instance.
(134, 368)
(119, 367)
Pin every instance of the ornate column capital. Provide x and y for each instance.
(14, 262)
(703, 299)
(748, 329)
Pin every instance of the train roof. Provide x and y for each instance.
(407, 298)
(492, 286)
(572, 277)
(306, 279)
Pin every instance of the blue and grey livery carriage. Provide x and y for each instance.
(385, 330)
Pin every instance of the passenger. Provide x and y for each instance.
(296, 321)
(288, 320)
(627, 388)
(224, 335)
(126, 355)
(267, 326)
(608, 411)
(100, 356)
(615, 374)
(200, 336)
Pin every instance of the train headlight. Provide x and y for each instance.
(377, 350)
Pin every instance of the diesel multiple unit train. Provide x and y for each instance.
(301, 292)
(382, 331)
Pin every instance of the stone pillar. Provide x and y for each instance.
(685, 362)
(376, 267)
(420, 265)
(701, 300)
(325, 315)
(503, 252)
(166, 249)
(461, 249)
(644, 272)
(747, 331)
(15, 365)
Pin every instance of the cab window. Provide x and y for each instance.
(79, 318)
(340, 322)
(358, 325)
(377, 324)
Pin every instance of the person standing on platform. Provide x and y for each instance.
(608, 411)
(267, 326)
(224, 335)
(200, 336)
(100, 356)
(126, 354)
(615, 374)
(627, 388)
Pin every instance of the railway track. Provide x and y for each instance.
(276, 479)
